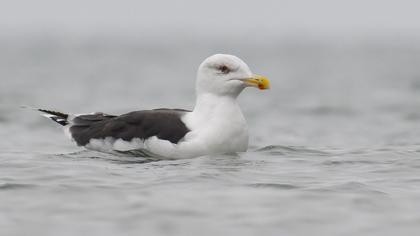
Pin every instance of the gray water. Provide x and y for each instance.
(334, 146)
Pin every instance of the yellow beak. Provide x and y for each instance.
(258, 81)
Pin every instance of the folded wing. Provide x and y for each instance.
(165, 124)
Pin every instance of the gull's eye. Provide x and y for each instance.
(224, 69)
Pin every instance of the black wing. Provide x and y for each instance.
(166, 124)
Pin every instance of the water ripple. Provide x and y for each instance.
(13, 186)
(288, 150)
(274, 185)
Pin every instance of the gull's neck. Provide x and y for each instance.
(207, 104)
(217, 125)
(214, 110)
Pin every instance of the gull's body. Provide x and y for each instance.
(216, 125)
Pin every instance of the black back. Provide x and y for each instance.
(164, 123)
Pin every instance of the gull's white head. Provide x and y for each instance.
(227, 75)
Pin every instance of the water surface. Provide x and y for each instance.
(334, 145)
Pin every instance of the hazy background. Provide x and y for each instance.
(334, 144)
(256, 19)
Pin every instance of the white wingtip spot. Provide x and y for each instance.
(48, 115)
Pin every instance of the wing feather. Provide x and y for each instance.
(166, 124)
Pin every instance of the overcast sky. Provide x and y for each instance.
(318, 17)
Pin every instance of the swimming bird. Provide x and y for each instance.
(216, 125)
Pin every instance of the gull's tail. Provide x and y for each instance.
(59, 117)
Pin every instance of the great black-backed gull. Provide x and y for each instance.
(216, 125)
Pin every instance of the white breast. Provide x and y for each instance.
(219, 127)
